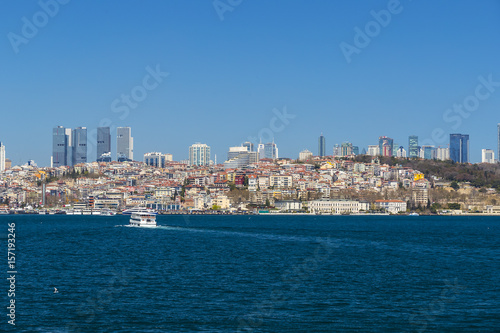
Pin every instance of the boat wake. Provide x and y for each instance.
(274, 237)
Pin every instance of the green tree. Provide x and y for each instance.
(454, 185)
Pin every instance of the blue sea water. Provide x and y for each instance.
(255, 274)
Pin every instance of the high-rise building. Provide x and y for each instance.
(271, 151)
(2, 157)
(401, 152)
(459, 148)
(385, 145)
(373, 150)
(355, 150)
(498, 147)
(240, 157)
(488, 156)
(124, 144)
(249, 145)
(261, 151)
(158, 160)
(305, 155)
(321, 146)
(61, 145)
(199, 154)
(103, 144)
(79, 145)
(413, 146)
(346, 148)
(442, 154)
(337, 150)
(429, 152)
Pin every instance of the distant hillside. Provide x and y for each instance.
(479, 175)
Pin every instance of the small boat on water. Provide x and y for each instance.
(4, 211)
(413, 214)
(142, 219)
(107, 212)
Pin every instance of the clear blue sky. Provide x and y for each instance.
(226, 76)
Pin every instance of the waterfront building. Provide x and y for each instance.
(124, 144)
(326, 206)
(321, 146)
(199, 154)
(459, 148)
(79, 145)
(391, 206)
(488, 156)
(2, 157)
(305, 155)
(158, 160)
(103, 144)
(413, 146)
(385, 145)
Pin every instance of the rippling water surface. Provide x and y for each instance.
(256, 274)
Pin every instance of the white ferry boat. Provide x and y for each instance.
(139, 210)
(143, 219)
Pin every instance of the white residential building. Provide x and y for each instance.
(333, 206)
(391, 206)
(373, 150)
(199, 154)
(280, 181)
(442, 154)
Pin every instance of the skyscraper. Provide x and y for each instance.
(459, 148)
(79, 145)
(260, 151)
(413, 146)
(249, 145)
(124, 144)
(346, 149)
(2, 157)
(321, 146)
(60, 147)
(199, 154)
(385, 145)
(103, 144)
(271, 151)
